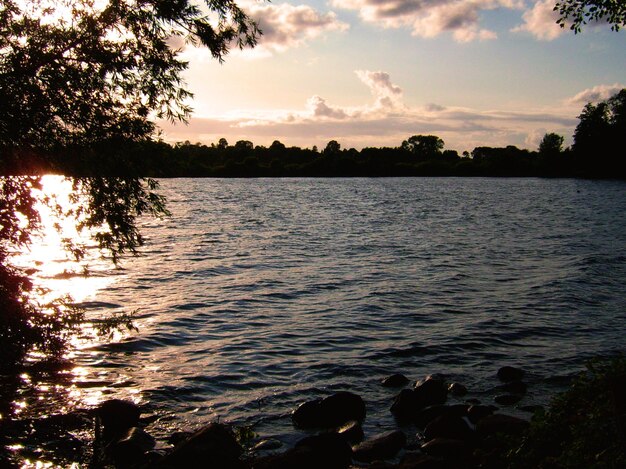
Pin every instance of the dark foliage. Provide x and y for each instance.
(583, 427)
(600, 137)
(578, 13)
(79, 84)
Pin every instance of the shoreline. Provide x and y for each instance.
(434, 431)
(84, 420)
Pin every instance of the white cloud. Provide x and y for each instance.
(429, 18)
(386, 93)
(319, 108)
(374, 124)
(540, 21)
(285, 25)
(595, 94)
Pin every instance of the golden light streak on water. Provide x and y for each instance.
(54, 270)
(56, 274)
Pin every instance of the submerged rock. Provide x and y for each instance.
(380, 447)
(478, 412)
(116, 416)
(307, 414)
(514, 387)
(507, 399)
(450, 450)
(267, 445)
(409, 402)
(430, 413)
(332, 411)
(352, 431)
(432, 391)
(449, 426)
(510, 373)
(212, 446)
(419, 460)
(457, 389)
(327, 450)
(406, 405)
(131, 449)
(395, 381)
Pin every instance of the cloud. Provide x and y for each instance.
(540, 21)
(285, 25)
(430, 18)
(319, 108)
(386, 93)
(595, 94)
(377, 124)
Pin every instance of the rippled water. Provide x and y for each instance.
(258, 294)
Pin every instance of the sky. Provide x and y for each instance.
(371, 73)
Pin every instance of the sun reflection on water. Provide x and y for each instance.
(53, 268)
(42, 393)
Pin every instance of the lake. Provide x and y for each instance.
(258, 294)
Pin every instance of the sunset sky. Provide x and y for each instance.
(374, 72)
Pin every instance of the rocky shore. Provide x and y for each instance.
(461, 434)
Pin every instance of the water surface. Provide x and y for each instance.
(258, 294)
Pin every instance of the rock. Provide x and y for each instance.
(405, 405)
(428, 414)
(342, 407)
(395, 381)
(116, 416)
(507, 399)
(327, 450)
(457, 389)
(381, 447)
(431, 391)
(130, 450)
(307, 415)
(501, 423)
(509, 373)
(449, 426)
(478, 412)
(449, 450)
(514, 387)
(177, 437)
(381, 465)
(332, 411)
(267, 445)
(352, 431)
(419, 460)
(329, 443)
(214, 446)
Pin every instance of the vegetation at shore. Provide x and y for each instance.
(584, 427)
(601, 131)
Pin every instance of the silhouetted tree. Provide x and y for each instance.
(600, 137)
(581, 12)
(244, 145)
(332, 148)
(551, 144)
(277, 146)
(222, 143)
(423, 146)
(78, 89)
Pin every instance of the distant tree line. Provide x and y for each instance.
(598, 151)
